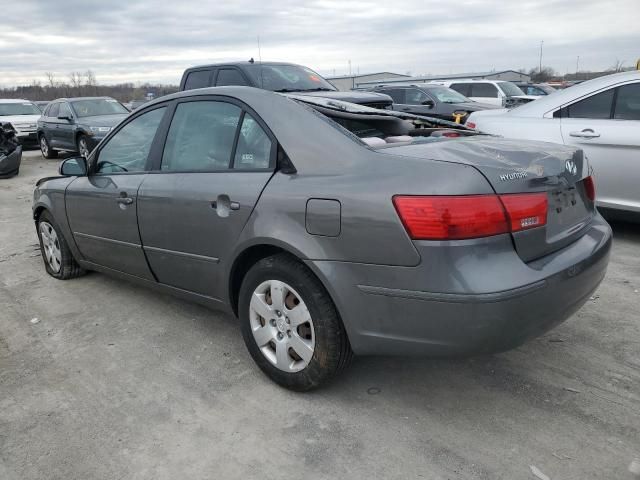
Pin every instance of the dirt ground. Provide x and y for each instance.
(100, 379)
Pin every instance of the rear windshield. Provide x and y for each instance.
(287, 78)
(510, 89)
(25, 108)
(98, 106)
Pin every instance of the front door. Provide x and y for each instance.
(102, 207)
(216, 161)
(607, 127)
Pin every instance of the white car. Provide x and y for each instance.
(601, 116)
(493, 92)
(23, 115)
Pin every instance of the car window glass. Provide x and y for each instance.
(197, 79)
(128, 149)
(397, 94)
(254, 146)
(628, 102)
(53, 112)
(45, 113)
(595, 106)
(229, 76)
(64, 110)
(201, 137)
(486, 90)
(416, 97)
(463, 88)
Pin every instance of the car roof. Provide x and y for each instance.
(575, 92)
(14, 100)
(73, 99)
(245, 63)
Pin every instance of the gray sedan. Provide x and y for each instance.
(331, 228)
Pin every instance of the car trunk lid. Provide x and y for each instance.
(517, 166)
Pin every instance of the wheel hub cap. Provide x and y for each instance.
(282, 326)
(50, 246)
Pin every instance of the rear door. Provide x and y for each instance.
(51, 125)
(102, 207)
(607, 127)
(217, 158)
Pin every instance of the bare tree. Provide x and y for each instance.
(618, 66)
(51, 79)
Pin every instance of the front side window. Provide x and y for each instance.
(486, 90)
(463, 88)
(53, 111)
(230, 76)
(628, 102)
(416, 97)
(197, 79)
(201, 137)
(128, 149)
(254, 146)
(596, 106)
(396, 94)
(98, 106)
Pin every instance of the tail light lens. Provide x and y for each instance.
(590, 188)
(469, 216)
(470, 124)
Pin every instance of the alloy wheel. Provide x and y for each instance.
(44, 146)
(83, 149)
(51, 246)
(282, 326)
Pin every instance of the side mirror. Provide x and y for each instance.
(65, 117)
(428, 103)
(73, 167)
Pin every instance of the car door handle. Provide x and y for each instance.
(125, 200)
(234, 206)
(586, 133)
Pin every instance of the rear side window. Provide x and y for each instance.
(487, 90)
(53, 111)
(254, 146)
(128, 149)
(397, 94)
(628, 102)
(463, 88)
(197, 79)
(230, 76)
(596, 106)
(64, 111)
(201, 137)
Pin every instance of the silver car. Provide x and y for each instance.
(331, 228)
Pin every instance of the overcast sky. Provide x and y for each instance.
(139, 41)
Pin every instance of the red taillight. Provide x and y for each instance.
(590, 188)
(469, 216)
(470, 125)
(525, 210)
(451, 134)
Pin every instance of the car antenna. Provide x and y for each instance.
(260, 60)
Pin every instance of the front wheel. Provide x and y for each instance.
(83, 146)
(45, 149)
(58, 259)
(290, 324)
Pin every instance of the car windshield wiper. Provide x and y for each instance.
(287, 90)
(319, 89)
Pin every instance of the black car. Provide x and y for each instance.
(432, 100)
(77, 124)
(277, 77)
(536, 89)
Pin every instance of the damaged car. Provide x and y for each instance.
(10, 151)
(331, 229)
(23, 116)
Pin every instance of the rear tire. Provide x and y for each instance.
(83, 146)
(302, 344)
(58, 259)
(45, 148)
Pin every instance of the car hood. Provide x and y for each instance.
(353, 97)
(509, 165)
(102, 120)
(19, 119)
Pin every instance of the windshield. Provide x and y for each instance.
(447, 95)
(25, 108)
(98, 106)
(547, 88)
(288, 78)
(510, 89)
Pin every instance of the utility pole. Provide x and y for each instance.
(578, 64)
(540, 69)
(349, 67)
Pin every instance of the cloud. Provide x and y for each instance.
(155, 41)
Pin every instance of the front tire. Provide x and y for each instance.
(83, 146)
(45, 148)
(290, 324)
(58, 259)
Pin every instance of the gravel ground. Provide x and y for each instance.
(100, 379)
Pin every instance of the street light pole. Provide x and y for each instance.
(541, 43)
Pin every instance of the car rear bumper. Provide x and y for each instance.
(398, 311)
(10, 164)
(27, 138)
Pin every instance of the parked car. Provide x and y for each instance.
(134, 104)
(41, 104)
(10, 151)
(433, 100)
(600, 116)
(277, 77)
(536, 89)
(77, 124)
(494, 92)
(272, 207)
(22, 115)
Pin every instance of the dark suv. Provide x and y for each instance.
(77, 124)
(277, 77)
(432, 100)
